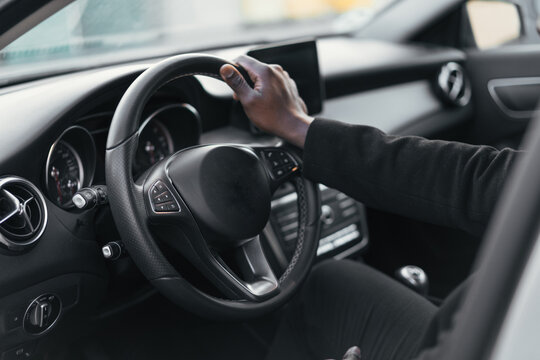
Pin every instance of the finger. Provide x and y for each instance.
(249, 62)
(294, 86)
(304, 106)
(235, 80)
(254, 67)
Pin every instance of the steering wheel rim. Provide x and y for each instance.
(138, 222)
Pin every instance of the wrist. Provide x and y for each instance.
(297, 135)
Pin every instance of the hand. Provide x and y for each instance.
(273, 104)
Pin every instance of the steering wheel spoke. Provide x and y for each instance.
(256, 281)
(259, 276)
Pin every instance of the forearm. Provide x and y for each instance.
(445, 183)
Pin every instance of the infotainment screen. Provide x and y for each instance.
(301, 61)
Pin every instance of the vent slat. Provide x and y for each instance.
(23, 213)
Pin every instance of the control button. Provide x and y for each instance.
(278, 173)
(162, 199)
(14, 319)
(279, 162)
(270, 154)
(23, 351)
(161, 208)
(172, 206)
(42, 314)
(39, 314)
(160, 186)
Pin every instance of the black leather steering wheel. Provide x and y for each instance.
(203, 201)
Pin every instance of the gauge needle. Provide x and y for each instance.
(72, 185)
(56, 175)
(149, 148)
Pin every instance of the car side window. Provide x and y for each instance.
(494, 23)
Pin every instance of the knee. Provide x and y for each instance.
(329, 275)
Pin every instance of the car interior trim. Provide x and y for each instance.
(512, 85)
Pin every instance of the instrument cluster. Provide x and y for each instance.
(79, 152)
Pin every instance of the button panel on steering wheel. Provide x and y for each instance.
(280, 163)
(162, 199)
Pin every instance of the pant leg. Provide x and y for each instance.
(344, 304)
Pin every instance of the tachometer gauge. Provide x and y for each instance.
(155, 143)
(65, 173)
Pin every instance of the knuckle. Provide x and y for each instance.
(237, 81)
(240, 58)
(266, 70)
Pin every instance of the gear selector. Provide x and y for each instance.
(414, 278)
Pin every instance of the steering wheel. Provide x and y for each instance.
(206, 201)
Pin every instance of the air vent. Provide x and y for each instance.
(23, 213)
(454, 87)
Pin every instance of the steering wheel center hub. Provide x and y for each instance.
(226, 189)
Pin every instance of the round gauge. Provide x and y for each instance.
(65, 173)
(155, 143)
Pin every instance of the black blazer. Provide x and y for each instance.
(442, 182)
(445, 183)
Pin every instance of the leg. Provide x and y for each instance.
(345, 304)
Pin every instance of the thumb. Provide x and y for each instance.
(235, 80)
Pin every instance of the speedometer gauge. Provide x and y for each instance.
(70, 165)
(155, 143)
(64, 173)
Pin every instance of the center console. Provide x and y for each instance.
(343, 224)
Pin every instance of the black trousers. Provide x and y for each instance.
(345, 304)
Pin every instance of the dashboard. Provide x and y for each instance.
(53, 143)
(76, 158)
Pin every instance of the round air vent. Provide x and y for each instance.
(23, 213)
(453, 84)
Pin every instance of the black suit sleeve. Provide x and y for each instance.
(441, 182)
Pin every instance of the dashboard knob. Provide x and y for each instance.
(42, 314)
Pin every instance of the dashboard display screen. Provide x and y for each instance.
(300, 60)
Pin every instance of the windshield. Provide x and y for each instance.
(90, 33)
